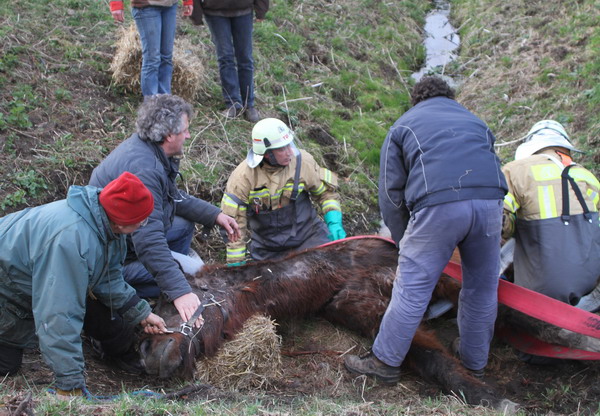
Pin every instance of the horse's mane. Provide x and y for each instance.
(298, 285)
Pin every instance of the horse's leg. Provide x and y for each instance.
(428, 358)
(447, 288)
(544, 331)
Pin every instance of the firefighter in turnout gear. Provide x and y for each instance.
(269, 195)
(552, 211)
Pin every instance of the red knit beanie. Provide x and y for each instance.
(126, 200)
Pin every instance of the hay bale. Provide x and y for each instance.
(188, 70)
(251, 360)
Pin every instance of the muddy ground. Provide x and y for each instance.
(313, 365)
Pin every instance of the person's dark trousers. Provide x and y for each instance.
(10, 360)
(115, 336)
(179, 238)
(232, 37)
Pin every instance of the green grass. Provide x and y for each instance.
(340, 67)
(543, 64)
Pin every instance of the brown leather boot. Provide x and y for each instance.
(368, 364)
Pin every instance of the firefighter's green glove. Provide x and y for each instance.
(334, 223)
(239, 263)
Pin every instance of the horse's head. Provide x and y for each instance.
(169, 355)
(175, 354)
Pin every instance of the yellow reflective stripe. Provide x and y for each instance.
(261, 193)
(331, 204)
(229, 202)
(546, 172)
(594, 197)
(327, 175)
(236, 253)
(547, 202)
(289, 187)
(319, 190)
(510, 203)
(586, 176)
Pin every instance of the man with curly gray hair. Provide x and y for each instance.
(153, 154)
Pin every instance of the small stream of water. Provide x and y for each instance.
(441, 40)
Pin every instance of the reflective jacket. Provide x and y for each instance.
(437, 152)
(268, 188)
(149, 162)
(556, 256)
(51, 256)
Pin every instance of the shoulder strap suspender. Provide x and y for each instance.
(566, 179)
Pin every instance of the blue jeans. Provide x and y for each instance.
(156, 26)
(232, 37)
(474, 226)
(179, 238)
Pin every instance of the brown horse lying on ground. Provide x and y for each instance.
(348, 283)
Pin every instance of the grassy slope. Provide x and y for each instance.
(331, 71)
(343, 68)
(530, 60)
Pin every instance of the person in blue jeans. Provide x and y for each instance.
(230, 23)
(440, 187)
(156, 22)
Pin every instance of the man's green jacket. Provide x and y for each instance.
(51, 257)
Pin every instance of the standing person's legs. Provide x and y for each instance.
(425, 249)
(241, 31)
(478, 304)
(220, 29)
(165, 70)
(148, 22)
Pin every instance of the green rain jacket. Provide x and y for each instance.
(51, 256)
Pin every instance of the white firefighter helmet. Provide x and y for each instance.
(545, 133)
(268, 133)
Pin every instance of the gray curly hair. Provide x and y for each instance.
(160, 115)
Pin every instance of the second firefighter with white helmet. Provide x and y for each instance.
(271, 194)
(551, 209)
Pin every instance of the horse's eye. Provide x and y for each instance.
(145, 347)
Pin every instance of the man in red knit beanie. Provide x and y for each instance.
(51, 257)
(126, 201)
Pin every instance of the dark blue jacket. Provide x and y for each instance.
(437, 152)
(158, 172)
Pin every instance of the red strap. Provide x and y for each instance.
(531, 345)
(541, 306)
(359, 237)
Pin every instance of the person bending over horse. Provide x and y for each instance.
(440, 187)
(51, 256)
(269, 194)
(153, 154)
